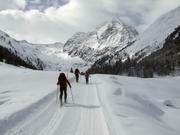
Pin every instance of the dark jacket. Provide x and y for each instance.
(86, 75)
(77, 72)
(63, 83)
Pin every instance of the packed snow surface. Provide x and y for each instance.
(108, 105)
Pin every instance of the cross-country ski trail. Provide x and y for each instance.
(84, 117)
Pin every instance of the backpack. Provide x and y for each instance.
(62, 76)
(87, 75)
(76, 71)
(62, 80)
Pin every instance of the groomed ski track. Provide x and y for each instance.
(84, 117)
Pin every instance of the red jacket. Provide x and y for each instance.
(63, 83)
(77, 72)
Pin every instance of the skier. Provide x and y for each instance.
(71, 70)
(77, 72)
(87, 77)
(62, 81)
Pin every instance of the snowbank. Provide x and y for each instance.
(140, 106)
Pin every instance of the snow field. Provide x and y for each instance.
(108, 105)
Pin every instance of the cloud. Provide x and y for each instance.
(58, 24)
(12, 4)
(55, 24)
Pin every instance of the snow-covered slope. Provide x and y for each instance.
(154, 37)
(151, 40)
(47, 57)
(108, 38)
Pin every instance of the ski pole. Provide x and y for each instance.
(72, 96)
(57, 95)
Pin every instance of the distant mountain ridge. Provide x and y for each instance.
(36, 56)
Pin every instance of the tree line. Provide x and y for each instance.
(10, 58)
(162, 62)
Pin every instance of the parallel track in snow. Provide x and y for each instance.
(85, 117)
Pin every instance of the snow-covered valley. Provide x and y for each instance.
(108, 105)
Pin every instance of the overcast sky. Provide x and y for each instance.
(58, 24)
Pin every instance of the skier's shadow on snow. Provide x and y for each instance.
(83, 106)
(89, 83)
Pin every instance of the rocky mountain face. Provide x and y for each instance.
(108, 38)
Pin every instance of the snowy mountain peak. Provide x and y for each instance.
(115, 31)
(115, 23)
(110, 23)
(109, 36)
